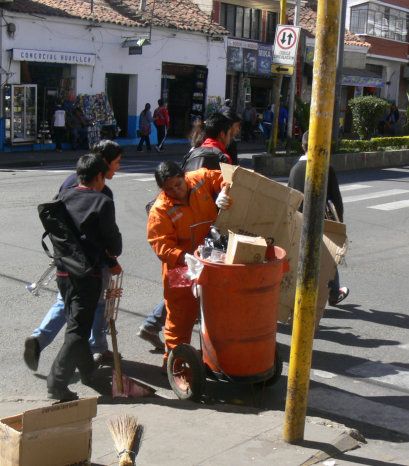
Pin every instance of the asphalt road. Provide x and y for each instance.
(360, 373)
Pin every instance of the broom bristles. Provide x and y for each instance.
(127, 436)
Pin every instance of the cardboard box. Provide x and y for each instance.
(55, 435)
(266, 208)
(243, 249)
(332, 250)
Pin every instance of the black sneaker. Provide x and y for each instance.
(343, 293)
(61, 394)
(104, 359)
(152, 336)
(32, 352)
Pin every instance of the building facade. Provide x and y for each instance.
(95, 55)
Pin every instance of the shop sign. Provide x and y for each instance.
(248, 57)
(362, 81)
(51, 56)
(264, 58)
(286, 45)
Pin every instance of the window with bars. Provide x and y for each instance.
(380, 21)
(240, 21)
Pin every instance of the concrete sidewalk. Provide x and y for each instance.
(181, 432)
(44, 157)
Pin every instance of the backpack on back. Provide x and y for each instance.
(203, 157)
(65, 238)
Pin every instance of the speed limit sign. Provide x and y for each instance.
(286, 45)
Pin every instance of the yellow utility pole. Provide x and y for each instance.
(319, 145)
(272, 145)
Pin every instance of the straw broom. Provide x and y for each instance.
(127, 436)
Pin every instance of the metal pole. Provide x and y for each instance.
(340, 64)
(272, 145)
(319, 144)
(293, 81)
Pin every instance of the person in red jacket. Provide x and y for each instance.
(185, 202)
(161, 121)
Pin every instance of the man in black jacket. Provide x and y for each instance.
(296, 180)
(93, 215)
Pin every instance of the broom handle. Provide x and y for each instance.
(117, 362)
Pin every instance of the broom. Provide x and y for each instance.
(127, 435)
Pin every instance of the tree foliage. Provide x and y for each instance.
(366, 114)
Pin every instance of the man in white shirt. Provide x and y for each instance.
(58, 124)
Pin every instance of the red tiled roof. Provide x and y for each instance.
(175, 14)
(308, 21)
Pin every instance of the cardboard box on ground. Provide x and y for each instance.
(55, 435)
(263, 207)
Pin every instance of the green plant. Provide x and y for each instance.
(366, 113)
(302, 113)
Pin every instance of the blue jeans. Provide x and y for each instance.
(334, 287)
(157, 317)
(55, 320)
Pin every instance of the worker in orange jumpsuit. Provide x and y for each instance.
(175, 228)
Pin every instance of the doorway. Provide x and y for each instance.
(117, 89)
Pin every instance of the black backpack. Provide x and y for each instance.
(68, 250)
(203, 157)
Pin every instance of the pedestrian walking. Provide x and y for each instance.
(93, 214)
(58, 125)
(296, 180)
(249, 122)
(161, 120)
(55, 318)
(145, 120)
(267, 123)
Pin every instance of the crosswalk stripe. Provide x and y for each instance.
(352, 187)
(391, 205)
(403, 170)
(360, 409)
(382, 372)
(364, 197)
(152, 178)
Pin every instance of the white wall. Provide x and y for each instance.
(168, 45)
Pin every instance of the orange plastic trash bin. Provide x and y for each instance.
(239, 313)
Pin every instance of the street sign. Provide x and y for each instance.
(286, 45)
(282, 69)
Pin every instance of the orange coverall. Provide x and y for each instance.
(170, 235)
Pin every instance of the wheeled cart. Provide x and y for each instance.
(238, 326)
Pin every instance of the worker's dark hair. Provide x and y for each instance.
(109, 150)
(231, 115)
(166, 170)
(215, 124)
(147, 107)
(89, 166)
(197, 134)
(304, 141)
(160, 102)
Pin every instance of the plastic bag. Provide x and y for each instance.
(177, 277)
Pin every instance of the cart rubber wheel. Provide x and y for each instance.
(186, 372)
(278, 368)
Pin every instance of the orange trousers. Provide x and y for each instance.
(182, 312)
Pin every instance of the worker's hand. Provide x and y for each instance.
(115, 270)
(224, 201)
